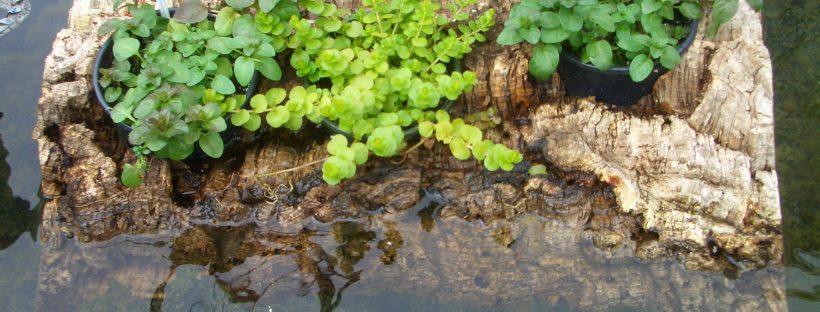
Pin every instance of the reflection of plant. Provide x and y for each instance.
(354, 242)
(390, 244)
(608, 33)
(386, 68)
(170, 78)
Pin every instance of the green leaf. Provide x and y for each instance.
(243, 69)
(426, 129)
(640, 68)
(224, 21)
(603, 20)
(690, 10)
(444, 132)
(649, 6)
(112, 94)
(223, 45)
(125, 48)
(265, 50)
(630, 43)
(315, 7)
(191, 12)
(241, 117)
(480, 149)
(275, 96)
(267, 5)
(277, 117)
(181, 72)
(442, 116)
(531, 35)
(555, 35)
(570, 21)
(110, 26)
(600, 54)
(360, 152)
(419, 42)
(239, 4)
(355, 29)
(337, 144)
(538, 170)
(269, 68)
(544, 61)
(253, 124)
(216, 124)
(132, 175)
(211, 143)
(459, 149)
(722, 12)
(385, 141)
(259, 103)
(757, 5)
(337, 169)
(508, 36)
(470, 134)
(548, 20)
(121, 112)
(223, 85)
(179, 149)
(670, 57)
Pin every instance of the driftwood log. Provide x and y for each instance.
(687, 174)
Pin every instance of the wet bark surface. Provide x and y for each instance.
(685, 177)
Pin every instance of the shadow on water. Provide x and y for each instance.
(791, 29)
(22, 53)
(15, 216)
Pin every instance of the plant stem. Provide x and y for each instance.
(313, 163)
(378, 17)
(396, 25)
(413, 148)
(438, 57)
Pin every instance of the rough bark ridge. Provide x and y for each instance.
(701, 176)
(690, 171)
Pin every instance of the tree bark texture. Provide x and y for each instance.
(687, 172)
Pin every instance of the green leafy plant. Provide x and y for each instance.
(382, 69)
(609, 33)
(174, 81)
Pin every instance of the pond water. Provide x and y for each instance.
(408, 261)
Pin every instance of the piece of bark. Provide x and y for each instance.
(687, 173)
(692, 165)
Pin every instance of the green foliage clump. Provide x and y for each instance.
(174, 81)
(608, 33)
(384, 68)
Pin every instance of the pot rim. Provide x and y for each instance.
(624, 70)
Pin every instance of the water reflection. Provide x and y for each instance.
(384, 262)
(15, 216)
(791, 29)
(239, 258)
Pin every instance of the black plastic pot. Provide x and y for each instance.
(613, 86)
(104, 60)
(410, 132)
